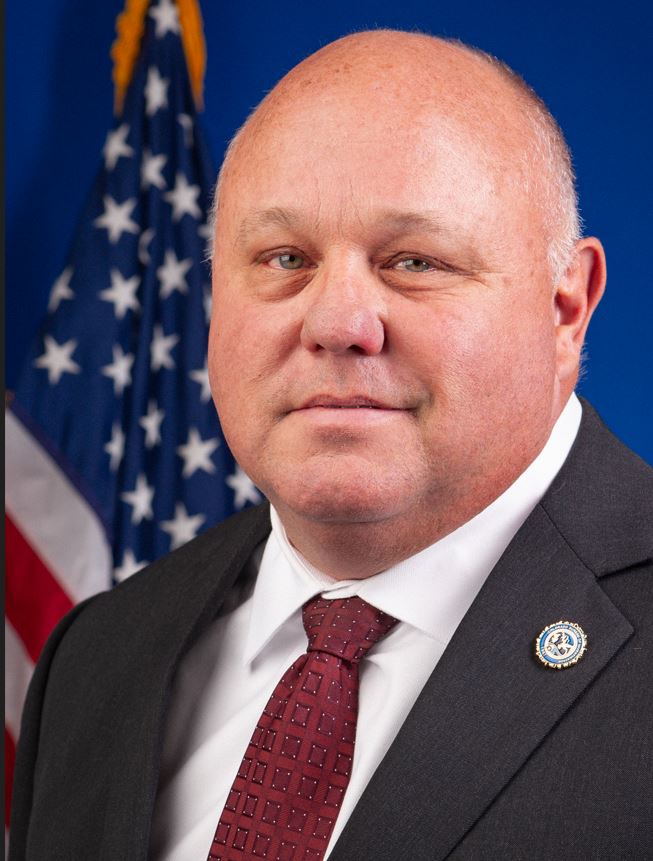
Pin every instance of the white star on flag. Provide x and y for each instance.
(201, 376)
(183, 198)
(171, 274)
(151, 168)
(116, 218)
(186, 122)
(141, 500)
(143, 241)
(116, 446)
(208, 304)
(129, 566)
(152, 424)
(122, 293)
(182, 527)
(61, 289)
(196, 453)
(243, 487)
(116, 145)
(120, 370)
(166, 18)
(205, 230)
(156, 91)
(57, 359)
(160, 349)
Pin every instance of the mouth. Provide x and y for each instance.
(348, 414)
(355, 402)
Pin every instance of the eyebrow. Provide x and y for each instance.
(395, 220)
(261, 218)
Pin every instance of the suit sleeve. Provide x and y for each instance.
(28, 742)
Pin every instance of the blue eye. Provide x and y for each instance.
(414, 264)
(289, 261)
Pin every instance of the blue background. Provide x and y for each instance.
(590, 61)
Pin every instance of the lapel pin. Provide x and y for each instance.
(561, 645)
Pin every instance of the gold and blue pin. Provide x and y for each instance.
(561, 645)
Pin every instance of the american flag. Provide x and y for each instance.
(114, 452)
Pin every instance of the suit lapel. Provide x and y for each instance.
(488, 704)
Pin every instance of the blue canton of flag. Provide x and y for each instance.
(117, 387)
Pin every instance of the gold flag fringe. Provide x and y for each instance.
(192, 35)
(130, 26)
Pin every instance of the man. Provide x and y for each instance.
(401, 296)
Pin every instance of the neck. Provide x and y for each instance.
(346, 550)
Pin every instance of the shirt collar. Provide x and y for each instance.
(431, 590)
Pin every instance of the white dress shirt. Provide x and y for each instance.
(246, 651)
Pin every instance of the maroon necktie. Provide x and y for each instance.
(290, 785)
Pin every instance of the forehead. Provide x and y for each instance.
(333, 150)
(344, 152)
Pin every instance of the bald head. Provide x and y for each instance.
(395, 73)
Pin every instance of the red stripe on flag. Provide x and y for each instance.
(10, 761)
(34, 600)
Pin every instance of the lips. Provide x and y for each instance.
(345, 403)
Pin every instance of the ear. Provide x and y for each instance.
(578, 293)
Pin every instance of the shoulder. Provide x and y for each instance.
(165, 600)
(98, 693)
(602, 499)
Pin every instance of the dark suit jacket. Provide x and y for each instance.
(500, 758)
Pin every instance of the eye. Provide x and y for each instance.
(287, 261)
(414, 264)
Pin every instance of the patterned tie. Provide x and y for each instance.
(289, 788)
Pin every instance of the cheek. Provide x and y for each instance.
(451, 347)
(482, 353)
(247, 346)
(229, 389)
(228, 344)
(220, 374)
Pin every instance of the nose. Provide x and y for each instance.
(344, 312)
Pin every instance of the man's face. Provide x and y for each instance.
(383, 336)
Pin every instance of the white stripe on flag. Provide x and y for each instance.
(18, 672)
(50, 512)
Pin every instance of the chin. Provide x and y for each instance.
(342, 499)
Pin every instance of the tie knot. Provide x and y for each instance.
(344, 627)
